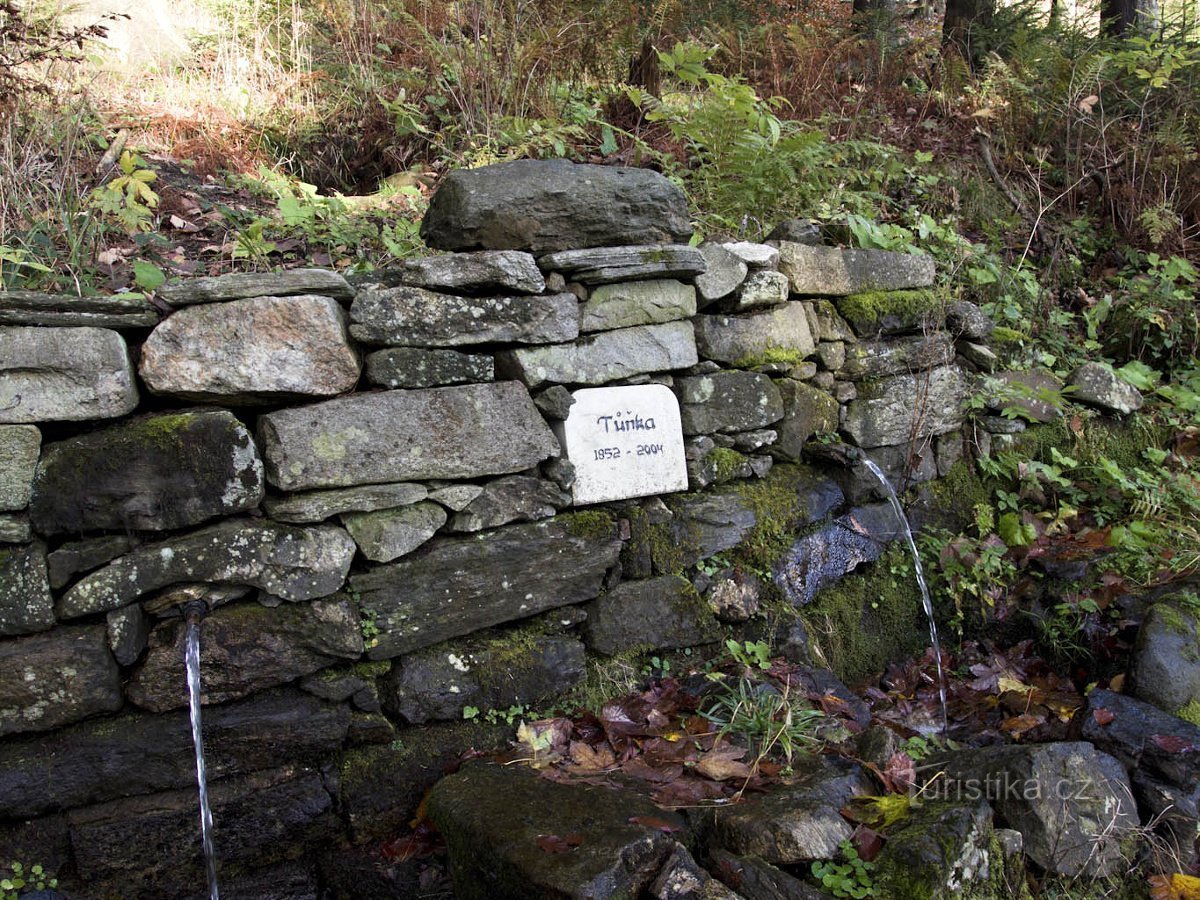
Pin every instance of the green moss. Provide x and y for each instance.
(593, 524)
(1002, 335)
(729, 464)
(373, 669)
(1191, 712)
(770, 356)
(1120, 441)
(867, 311)
(162, 431)
(778, 513)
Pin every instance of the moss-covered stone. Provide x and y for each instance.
(891, 312)
(729, 464)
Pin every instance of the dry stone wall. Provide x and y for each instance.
(366, 482)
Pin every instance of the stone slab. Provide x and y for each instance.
(751, 339)
(33, 308)
(256, 284)
(630, 303)
(608, 265)
(416, 367)
(20, 446)
(317, 506)
(833, 272)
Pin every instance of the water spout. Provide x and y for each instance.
(193, 613)
(926, 601)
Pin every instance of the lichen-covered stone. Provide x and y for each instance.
(385, 534)
(762, 288)
(74, 557)
(415, 317)
(723, 274)
(487, 271)
(656, 614)
(20, 446)
(159, 472)
(895, 356)
(25, 602)
(902, 408)
(548, 205)
(1098, 385)
(1035, 395)
(284, 560)
(603, 357)
(755, 256)
(317, 506)
(453, 432)
(747, 340)
(940, 851)
(515, 498)
(259, 350)
(246, 648)
(608, 265)
(415, 367)
(64, 374)
(967, 321)
(727, 401)
(55, 678)
(630, 303)
(455, 586)
(832, 272)
(241, 285)
(806, 411)
(128, 633)
(15, 528)
(455, 497)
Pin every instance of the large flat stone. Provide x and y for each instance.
(750, 339)
(25, 602)
(903, 408)
(603, 357)
(487, 271)
(832, 272)
(514, 498)
(284, 560)
(244, 648)
(662, 613)
(609, 265)
(159, 473)
(548, 205)
(20, 446)
(876, 359)
(727, 401)
(251, 351)
(453, 432)
(317, 506)
(415, 317)
(64, 374)
(415, 367)
(53, 679)
(239, 286)
(33, 308)
(625, 304)
(455, 586)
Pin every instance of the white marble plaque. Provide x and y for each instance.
(624, 442)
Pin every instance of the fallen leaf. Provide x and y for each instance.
(867, 841)
(1172, 744)
(723, 762)
(594, 759)
(1018, 725)
(1086, 104)
(1103, 716)
(1174, 887)
(552, 843)
(652, 822)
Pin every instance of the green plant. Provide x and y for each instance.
(1154, 318)
(851, 878)
(767, 719)
(128, 198)
(750, 654)
(369, 627)
(20, 878)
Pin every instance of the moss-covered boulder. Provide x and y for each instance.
(942, 850)
(1165, 668)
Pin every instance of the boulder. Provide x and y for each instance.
(1165, 668)
(754, 879)
(548, 205)
(55, 678)
(64, 374)
(1098, 385)
(727, 401)
(244, 648)
(128, 633)
(456, 586)
(453, 432)
(25, 602)
(903, 408)
(260, 350)
(515, 498)
(284, 560)
(796, 231)
(33, 308)
(822, 557)
(386, 534)
(940, 851)
(495, 855)
(877, 313)
(608, 265)
(317, 506)
(1142, 737)
(241, 285)
(20, 446)
(749, 340)
(832, 272)
(656, 614)
(629, 303)
(830, 326)
(159, 473)
(1035, 395)
(896, 356)
(723, 274)
(415, 317)
(603, 357)
(414, 367)
(485, 272)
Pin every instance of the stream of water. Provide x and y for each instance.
(926, 601)
(192, 658)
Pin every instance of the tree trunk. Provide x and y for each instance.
(1119, 17)
(963, 19)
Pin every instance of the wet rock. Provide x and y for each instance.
(755, 256)
(660, 613)
(630, 303)
(287, 561)
(831, 272)
(723, 274)
(727, 402)
(1098, 385)
(682, 878)
(74, 557)
(701, 525)
(20, 446)
(1036, 395)
(25, 602)
(246, 648)
(806, 411)
(789, 823)
(548, 205)
(455, 586)
(414, 367)
(128, 633)
(495, 855)
(1165, 668)
(438, 682)
(291, 282)
(761, 289)
(55, 678)
(456, 497)
(487, 271)
(832, 355)
(262, 350)
(136, 753)
(941, 850)
(902, 466)
(1073, 804)
(875, 359)
(824, 556)
(608, 265)
(64, 374)
(903, 408)
(385, 534)
(754, 879)
(516, 498)
(967, 321)
(603, 357)
(453, 432)
(797, 231)
(317, 506)
(746, 339)
(415, 317)
(158, 472)
(33, 308)
(749, 441)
